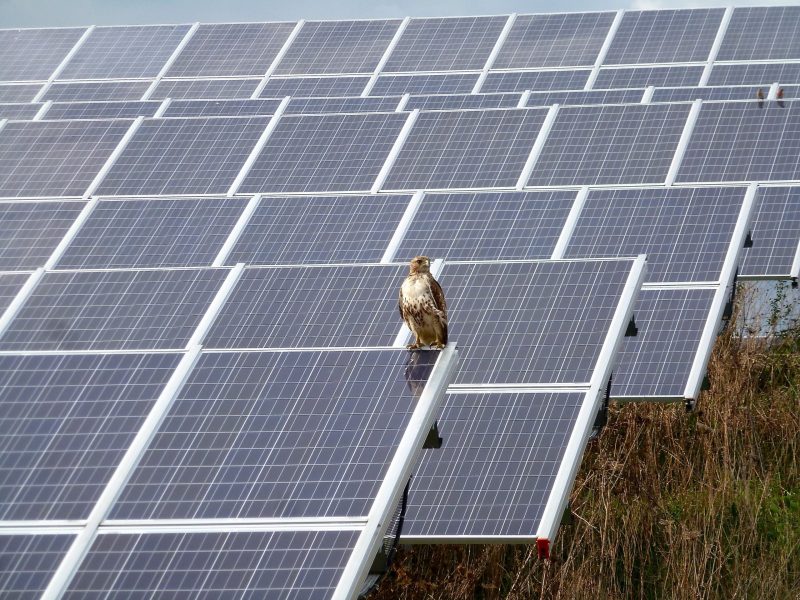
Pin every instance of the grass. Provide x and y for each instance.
(667, 504)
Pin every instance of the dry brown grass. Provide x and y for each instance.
(666, 505)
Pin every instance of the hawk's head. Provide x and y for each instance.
(420, 264)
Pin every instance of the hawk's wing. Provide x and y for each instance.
(400, 304)
(438, 297)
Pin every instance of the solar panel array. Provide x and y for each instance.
(203, 229)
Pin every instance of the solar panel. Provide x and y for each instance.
(543, 81)
(754, 74)
(166, 232)
(449, 83)
(28, 561)
(19, 93)
(221, 108)
(346, 229)
(499, 225)
(756, 33)
(466, 149)
(22, 112)
(278, 87)
(30, 231)
(559, 40)
(620, 96)
(685, 232)
(277, 435)
(96, 91)
(689, 94)
(496, 468)
(66, 422)
(291, 565)
(661, 36)
(100, 110)
(10, 285)
(311, 307)
(656, 363)
(337, 47)
(307, 106)
(743, 141)
(445, 44)
(462, 101)
(775, 232)
(645, 76)
(630, 143)
(231, 49)
(325, 153)
(184, 156)
(31, 54)
(55, 158)
(124, 52)
(113, 310)
(212, 89)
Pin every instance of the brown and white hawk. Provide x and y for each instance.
(422, 305)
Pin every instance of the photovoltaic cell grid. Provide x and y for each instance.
(645, 76)
(291, 565)
(337, 47)
(462, 101)
(564, 40)
(113, 310)
(756, 33)
(96, 91)
(184, 156)
(34, 54)
(494, 473)
(610, 144)
(661, 36)
(619, 96)
(10, 285)
(278, 87)
(19, 111)
(66, 423)
(685, 233)
(231, 49)
(30, 231)
(311, 307)
(211, 89)
(124, 52)
(283, 435)
(775, 231)
(326, 153)
(656, 363)
(704, 93)
(447, 44)
(28, 561)
(55, 158)
(19, 93)
(346, 229)
(505, 226)
(153, 233)
(307, 106)
(221, 108)
(449, 83)
(466, 149)
(744, 141)
(755, 74)
(100, 110)
(539, 81)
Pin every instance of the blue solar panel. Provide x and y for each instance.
(775, 232)
(231, 49)
(744, 141)
(450, 83)
(446, 44)
(28, 561)
(689, 94)
(562, 40)
(755, 74)
(65, 423)
(113, 310)
(290, 565)
(685, 232)
(184, 156)
(543, 81)
(30, 231)
(55, 158)
(221, 108)
(502, 225)
(283, 435)
(153, 233)
(278, 87)
(326, 153)
(466, 149)
(462, 101)
(337, 47)
(620, 96)
(310, 106)
(212, 89)
(96, 91)
(20, 111)
(10, 285)
(494, 474)
(100, 110)
(19, 93)
(124, 52)
(630, 143)
(346, 229)
(31, 54)
(661, 36)
(644, 76)
(756, 33)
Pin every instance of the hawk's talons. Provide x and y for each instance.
(415, 346)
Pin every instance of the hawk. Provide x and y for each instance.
(422, 305)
